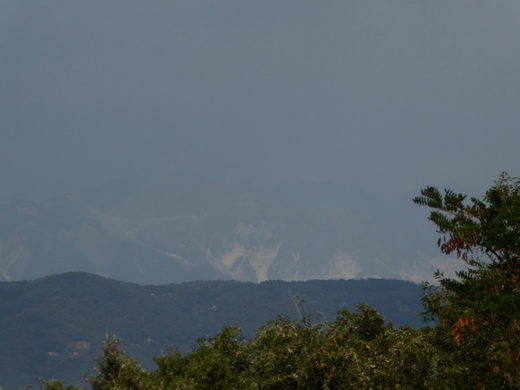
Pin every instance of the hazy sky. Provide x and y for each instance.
(391, 95)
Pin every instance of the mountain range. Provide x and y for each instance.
(178, 230)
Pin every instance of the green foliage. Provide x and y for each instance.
(480, 309)
(357, 350)
(285, 354)
(117, 371)
(215, 363)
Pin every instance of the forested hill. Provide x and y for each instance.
(54, 327)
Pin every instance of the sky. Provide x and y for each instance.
(389, 95)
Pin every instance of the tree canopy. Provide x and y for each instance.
(481, 307)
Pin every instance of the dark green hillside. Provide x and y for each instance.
(54, 327)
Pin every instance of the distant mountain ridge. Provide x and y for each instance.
(174, 231)
(53, 327)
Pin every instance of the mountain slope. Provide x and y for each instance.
(177, 231)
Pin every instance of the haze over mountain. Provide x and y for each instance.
(380, 97)
(180, 230)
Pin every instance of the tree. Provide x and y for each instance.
(219, 362)
(117, 371)
(480, 309)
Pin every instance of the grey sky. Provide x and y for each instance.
(392, 95)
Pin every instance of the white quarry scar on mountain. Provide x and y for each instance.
(260, 259)
(9, 259)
